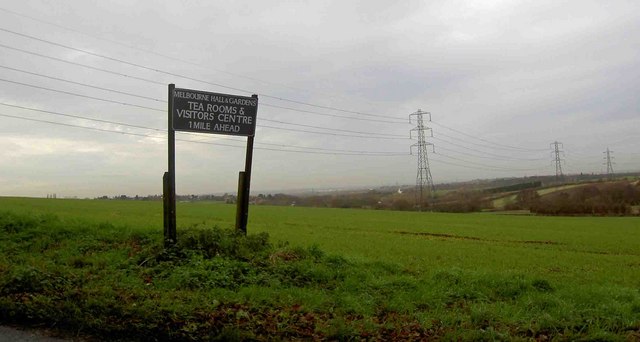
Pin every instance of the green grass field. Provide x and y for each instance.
(454, 276)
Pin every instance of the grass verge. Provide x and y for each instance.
(118, 282)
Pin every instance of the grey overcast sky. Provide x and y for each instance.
(502, 79)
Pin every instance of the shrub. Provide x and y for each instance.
(401, 204)
(226, 243)
(602, 199)
(462, 201)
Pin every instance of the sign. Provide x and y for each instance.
(204, 112)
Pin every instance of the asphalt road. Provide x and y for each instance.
(10, 334)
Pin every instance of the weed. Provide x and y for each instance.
(542, 285)
(27, 279)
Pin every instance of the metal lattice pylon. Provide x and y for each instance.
(424, 181)
(556, 152)
(609, 159)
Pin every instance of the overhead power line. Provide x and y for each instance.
(367, 135)
(574, 153)
(82, 84)
(81, 95)
(188, 133)
(162, 101)
(488, 141)
(330, 115)
(473, 167)
(479, 156)
(334, 134)
(482, 145)
(484, 152)
(133, 47)
(159, 83)
(334, 129)
(195, 141)
(81, 117)
(82, 65)
(141, 66)
(377, 135)
(485, 165)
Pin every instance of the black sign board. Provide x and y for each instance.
(204, 112)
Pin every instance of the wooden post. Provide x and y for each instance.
(170, 204)
(247, 181)
(244, 212)
(165, 207)
(240, 204)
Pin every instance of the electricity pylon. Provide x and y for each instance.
(609, 163)
(556, 151)
(424, 181)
